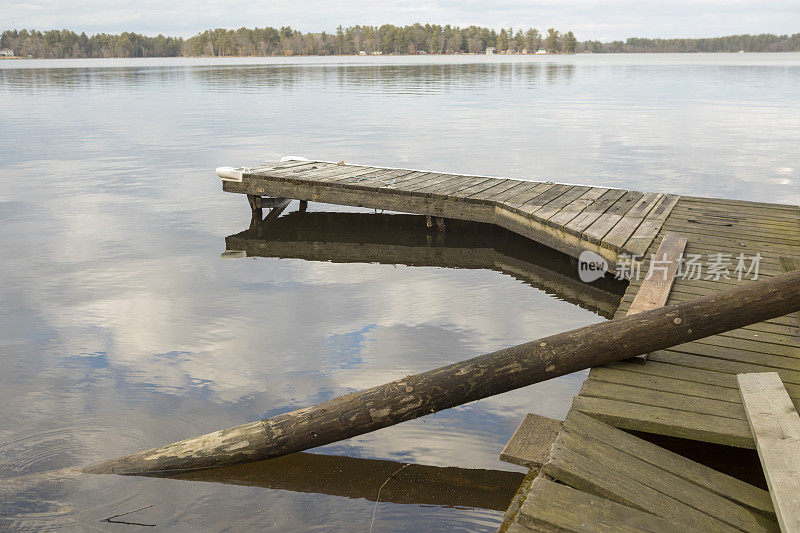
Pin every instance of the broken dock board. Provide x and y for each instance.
(776, 430)
(529, 446)
(657, 284)
(647, 484)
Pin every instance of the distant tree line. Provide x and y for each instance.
(68, 44)
(386, 39)
(764, 42)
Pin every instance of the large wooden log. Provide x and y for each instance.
(459, 383)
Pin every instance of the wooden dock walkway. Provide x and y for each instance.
(596, 476)
(568, 218)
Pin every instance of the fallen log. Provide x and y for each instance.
(459, 383)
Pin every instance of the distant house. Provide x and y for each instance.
(490, 50)
(6, 52)
(362, 53)
(541, 51)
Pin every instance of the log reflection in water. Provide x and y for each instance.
(352, 477)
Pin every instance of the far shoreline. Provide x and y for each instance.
(19, 58)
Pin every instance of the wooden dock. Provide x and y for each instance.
(590, 473)
(568, 218)
(689, 391)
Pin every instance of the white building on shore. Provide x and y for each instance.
(6, 52)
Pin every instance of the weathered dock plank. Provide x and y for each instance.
(651, 488)
(562, 508)
(776, 429)
(530, 444)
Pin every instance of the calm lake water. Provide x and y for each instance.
(122, 328)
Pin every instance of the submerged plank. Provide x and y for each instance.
(776, 429)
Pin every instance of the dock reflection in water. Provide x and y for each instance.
(341, 237)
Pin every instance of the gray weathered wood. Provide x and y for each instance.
(657, 284)
(700, 475)
(442, 388)
(776, 429)
(568, 509)
(669, 485)
(530, 444)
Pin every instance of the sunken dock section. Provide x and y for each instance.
(626, 458)
(568, 218)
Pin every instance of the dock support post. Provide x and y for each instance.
(439, 222)
(303, 206)
(255, 205)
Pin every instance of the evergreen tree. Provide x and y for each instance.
(552, 43)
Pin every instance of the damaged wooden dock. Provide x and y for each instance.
(689, 391)
(590, 473)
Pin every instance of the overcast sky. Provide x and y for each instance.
(589, 19)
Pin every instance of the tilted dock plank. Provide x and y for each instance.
(591, 461)
(776, 430)
(554, 505)
(657, 285)
(530, 444)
